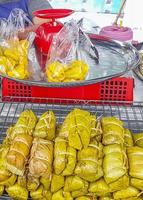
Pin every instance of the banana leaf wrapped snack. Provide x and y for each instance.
(17, 192)
(25, 123)
(77, 186)
(113, 131)
(46, 126)
(99, 188)
(128, 138)
(64, 157)
(77, 128)
(88, 197)
(41, 194)
(138, 139)
(135, 157)
(137, 183)
(41, 158)
(57, 183)
(129, 192)
(114, 163)
(18, 154)
(89, 165)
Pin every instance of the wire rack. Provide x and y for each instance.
(131, 114)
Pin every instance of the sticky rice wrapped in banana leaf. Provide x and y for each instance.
(59, 195)
(41, 194)
(67, 196)
(138, 139)
(128, 138)
(17, 192)
(57, 183)
(97, 132)
(114, 163)
(77, 128)
(81, 192)
(105, 198)
(121, 183)
(4, 173)
(137, 183)
(18, 154)
(46, 126)
(129, 192)
(88, 166)
(99, 188)
(45, 182)
(25, 123)
(135, 157)
(88, 197)
(71, 161)
(41, 158)
(22, 181)
(73, 183)
(113, 131)
(60, 150)
(32, 183)
(1, 190)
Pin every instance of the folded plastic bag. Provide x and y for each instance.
(16, 54)
(135, 157)
(69, 55)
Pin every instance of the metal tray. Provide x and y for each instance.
(138, 73)
(115, 59)
(131, 114)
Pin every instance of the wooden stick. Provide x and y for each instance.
(120, 11)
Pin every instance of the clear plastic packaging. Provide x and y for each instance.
(68, 55)
(17, 54)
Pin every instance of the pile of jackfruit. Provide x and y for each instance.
(59, 72)
(14, 59)
(83, 158)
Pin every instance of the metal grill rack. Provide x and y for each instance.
(131, 114)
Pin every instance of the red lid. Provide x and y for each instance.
(53, 13)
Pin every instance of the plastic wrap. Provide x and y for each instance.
(67, 59)
(17, 56)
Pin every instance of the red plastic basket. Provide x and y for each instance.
(116, 89)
